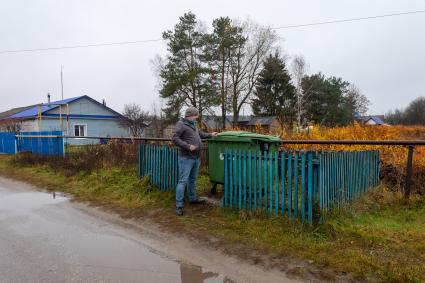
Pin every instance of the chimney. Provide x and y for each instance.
(48, 98)
(104, 102)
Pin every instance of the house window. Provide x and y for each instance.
(80, 130)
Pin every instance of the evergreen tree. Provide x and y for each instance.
(220, 48)
(274, 93)
(185, 77)
(325, 100)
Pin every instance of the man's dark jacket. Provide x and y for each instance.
(185, 134)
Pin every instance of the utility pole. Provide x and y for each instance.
(62, 80)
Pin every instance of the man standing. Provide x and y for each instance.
(188, 138)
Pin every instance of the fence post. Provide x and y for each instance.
(270, 182)
(276, 183)
(302, 184)
(244, 179)
(16, 145)
(409, 166)
(295, 204)
(226, 184)
(310, 188)
(231, 174)
(255, 179)
(249, 180)
(289, 187)
(240, 179)
(282, 169)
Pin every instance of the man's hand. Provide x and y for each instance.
(192, 147)
(214, 134)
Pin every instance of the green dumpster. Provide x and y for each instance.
(235, 140)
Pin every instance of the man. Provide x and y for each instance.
(188, 138)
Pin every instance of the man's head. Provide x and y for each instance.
(191, 113)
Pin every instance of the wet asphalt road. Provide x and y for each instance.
(45, 238)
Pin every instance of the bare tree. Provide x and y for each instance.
(135, 119)
(357, 100)
(298, 69)
(159, 119)
(415, 112)
(246, 63)
(395, 117)
(11, 126)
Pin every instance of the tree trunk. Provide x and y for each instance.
(223, 98)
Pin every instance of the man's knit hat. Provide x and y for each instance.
(191, 111)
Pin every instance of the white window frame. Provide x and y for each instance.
(85, 130)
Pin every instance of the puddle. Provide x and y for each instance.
(69, 245)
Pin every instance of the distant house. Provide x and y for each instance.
(242, 121)
(373, 120)
(155, 129)
(79, 117)
(267, 124)
(214, 123)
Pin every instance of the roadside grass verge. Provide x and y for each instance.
(380, 238)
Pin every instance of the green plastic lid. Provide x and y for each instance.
(240, 136)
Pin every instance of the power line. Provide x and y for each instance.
(351, 20)
(80, 46)
(160, 39)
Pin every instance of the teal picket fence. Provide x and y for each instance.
(297, 184)
(345, 176)
(160, 164)
(301, 185)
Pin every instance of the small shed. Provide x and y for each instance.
(266, 124)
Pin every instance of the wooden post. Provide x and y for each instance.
(409, 167)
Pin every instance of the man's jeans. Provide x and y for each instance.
(188, 171)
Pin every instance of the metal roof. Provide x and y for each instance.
(267, 120)
(13, 111)
(241, 119)
(376, 119)
(33, 111)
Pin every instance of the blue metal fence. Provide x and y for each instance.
(45, 143)
(41, 142)
(297, 183)
(7, 143)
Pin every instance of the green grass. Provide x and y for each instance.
(380, 238)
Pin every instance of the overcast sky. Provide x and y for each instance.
(385, 57)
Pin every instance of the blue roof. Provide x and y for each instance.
(33, 111)
(377, 120)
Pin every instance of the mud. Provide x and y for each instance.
(45, 237)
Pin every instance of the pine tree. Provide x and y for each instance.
(185, 77)
(274, 93)
(221, 43)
